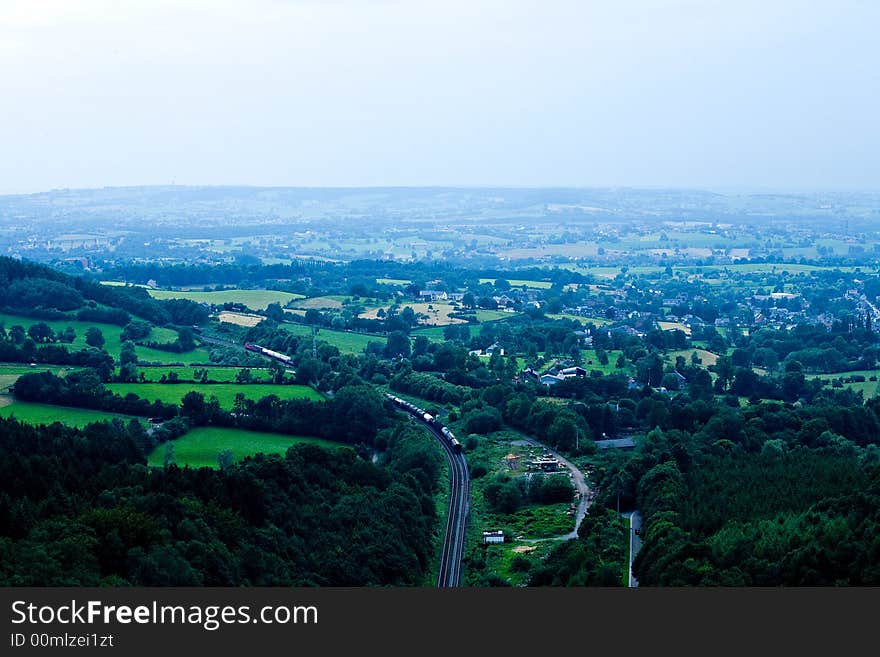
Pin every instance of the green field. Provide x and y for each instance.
(768, 267)
(612, 272)
(672, 326)
(347, 342)
(434, 333)
(745, 268)
(112, 342)
(121, 284)
(393, 281)
(535, 521)
(329, 302)
(492, 315)
(540, 285)
(869, 388)
(596, 321)
(520, 361)
(429, 314)
(708, 357)
(9, 373)
(198, 356)
(500, 557)
(173, 393)
(32, 413)
(17, 369)
(200, 447)
(254, 299)
(215, 374)
(591, 362)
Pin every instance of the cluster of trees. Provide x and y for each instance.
(17, 346)
(93, 313)
(507, 494)
(813, 346)
(596, 558)
(762, 495)
(84, 389)
(561, 427)
(135, 330)
(186, 341)
(79, 508)
(429, 387)
(796, 517)
(36, 290)
(356, 278)
(39, 333)
(356, 413)
(396, 318)
(530, 334)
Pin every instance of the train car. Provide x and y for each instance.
(284, 358)
(427, 418)
(450, 437)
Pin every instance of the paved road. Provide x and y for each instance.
(616, 443)
(635, 542)
(586, 498)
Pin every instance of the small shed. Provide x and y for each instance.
(493, 537)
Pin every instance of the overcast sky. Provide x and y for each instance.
(714, 94)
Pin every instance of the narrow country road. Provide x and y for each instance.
(635, 542)
(585, 494)
(634, 518)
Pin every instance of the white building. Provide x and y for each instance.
(493, 537)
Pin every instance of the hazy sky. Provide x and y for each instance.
(722, 94)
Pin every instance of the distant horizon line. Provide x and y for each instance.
(715, 189)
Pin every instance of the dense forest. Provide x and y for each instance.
(38, 291)
(80, 508)
(771, 494)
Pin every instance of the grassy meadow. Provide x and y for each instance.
(200, 447)
(173, 393)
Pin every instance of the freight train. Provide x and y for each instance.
(428, 419)
(257, 349)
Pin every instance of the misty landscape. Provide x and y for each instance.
(404, 295)
(221, 386)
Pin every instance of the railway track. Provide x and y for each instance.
(459, 501)
(456, 520)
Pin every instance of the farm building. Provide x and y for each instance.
(493, 537)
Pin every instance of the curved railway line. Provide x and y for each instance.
(459, 495)
(459, 476)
